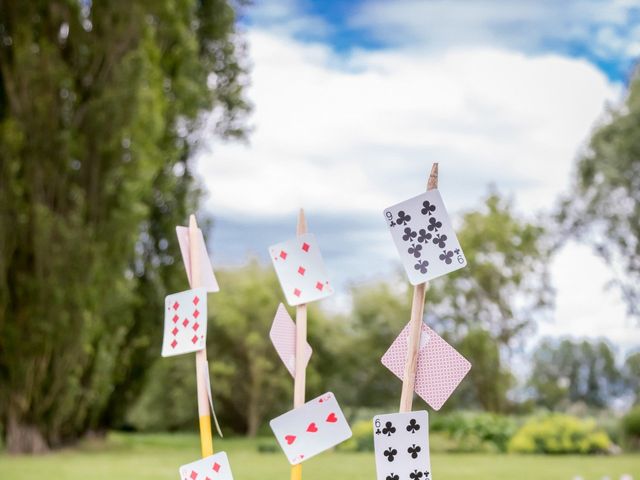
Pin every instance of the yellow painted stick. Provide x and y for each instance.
(204, 414)
(417, 312)
(301, 339)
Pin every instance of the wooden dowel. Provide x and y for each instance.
(204, 413)
(299, 380)
(415, 326)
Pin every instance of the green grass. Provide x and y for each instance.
(157, 457)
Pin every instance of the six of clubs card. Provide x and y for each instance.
(185, 322)
(300, 269)
(401, 442)
(424, 237)
(311, 429)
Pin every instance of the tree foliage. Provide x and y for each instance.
(569, 371)
(505, 286)
(604, 206)
(249, 382)
(99, 102)
(482, 310)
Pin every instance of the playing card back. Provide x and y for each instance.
(440, 369)
(425, 239)
(283, 337)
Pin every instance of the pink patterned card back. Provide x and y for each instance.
(283, 337)
(208, 279)
(441, 368)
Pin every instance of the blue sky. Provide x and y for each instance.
(606, 33)
(355, 100)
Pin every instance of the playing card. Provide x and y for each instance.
(424, 237)
(215, 467)
(207, 278)
(310, 429)
(300, 269)
(283, 337)
(401, 442)
(440, 367)
(185, 322)
(207, 382)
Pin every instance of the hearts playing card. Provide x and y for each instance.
(283, 337)
(215, 467)
(311, 429)
(401, 442)
(185, 322)
(424, 237)
(440, 367)
(300, 269)
(207, 278)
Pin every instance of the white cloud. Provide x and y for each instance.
(346, 137)
(585, 307)
(358, 137)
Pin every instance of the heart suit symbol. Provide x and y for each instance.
(332, 418)
(312, 427)
(290, 439)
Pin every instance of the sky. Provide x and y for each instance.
(353, 101)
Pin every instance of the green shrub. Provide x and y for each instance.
(476, 431)
(558, 433)
(362, 438)
(631, 428)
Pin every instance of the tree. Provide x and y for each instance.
(567, 372)
(506, 284)
(248, 380)
(631, 372)
(100, 105)
(482, 309)
(604, 206)
(486, 308)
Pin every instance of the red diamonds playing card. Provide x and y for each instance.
(185, 322)
(215, 467)
(300, 269)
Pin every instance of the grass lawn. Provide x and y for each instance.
(157, 457)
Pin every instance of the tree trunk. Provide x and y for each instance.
(253, 417)
(23, 438)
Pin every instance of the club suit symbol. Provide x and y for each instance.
(390, 453)
(389, 429)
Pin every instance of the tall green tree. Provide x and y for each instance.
(603, 208)
(100, 105)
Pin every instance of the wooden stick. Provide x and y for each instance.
(415, 328)
(204, 414)
(301, 340)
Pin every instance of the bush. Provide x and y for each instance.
(476, 431)
(560, 434)
(361, 440)
(459, 432)
(631, 428)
